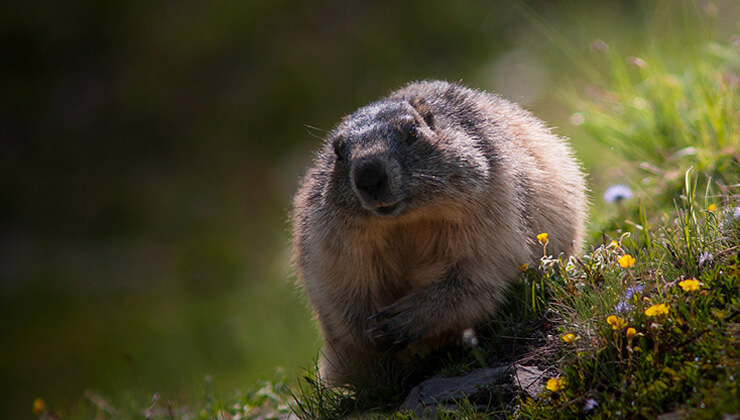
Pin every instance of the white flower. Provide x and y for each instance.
(469, 337)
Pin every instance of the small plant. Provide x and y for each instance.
(657, 332)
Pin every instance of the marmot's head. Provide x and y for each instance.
(395, 156)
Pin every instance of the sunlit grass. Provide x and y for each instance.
(666, 116)
(656, 112)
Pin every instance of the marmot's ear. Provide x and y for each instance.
(423, 109)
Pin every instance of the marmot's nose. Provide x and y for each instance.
(371, 178)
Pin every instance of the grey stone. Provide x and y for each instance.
(529, 379)
(441, 390)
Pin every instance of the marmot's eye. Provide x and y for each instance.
(412, 134)
(338, 149)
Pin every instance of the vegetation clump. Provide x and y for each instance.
(655, 336)
(648, 319)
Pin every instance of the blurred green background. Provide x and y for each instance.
(149, 152)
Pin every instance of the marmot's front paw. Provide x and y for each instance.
(397, 324)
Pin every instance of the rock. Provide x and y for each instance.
(528, 379)
(441, 391)
(674, 415)
(444, 391)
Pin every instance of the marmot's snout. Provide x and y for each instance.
(375, 181)
(371, 179)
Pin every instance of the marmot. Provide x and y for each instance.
(417, 213)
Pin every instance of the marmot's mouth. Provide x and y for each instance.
(387, 209)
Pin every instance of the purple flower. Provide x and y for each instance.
(623, 305)
(617, 193)
(632, 290)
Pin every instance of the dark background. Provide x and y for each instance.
(149, 151)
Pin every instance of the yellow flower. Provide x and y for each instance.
(39, 406)
(690, 285)
(613, 244)
(631, 333)
(712, 207)
(555, 384)
(524, 267)
(616, 323)
(542, 237)
(569, 338)
(626, 261)
(656, 310)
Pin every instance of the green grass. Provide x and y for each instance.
(665, 115)
(658, 112)
(680, 124)
(214, 336)
(684, 360)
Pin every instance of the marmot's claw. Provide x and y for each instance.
(397, 325)
(408, 339)
(371, 317)
(398, 337)
(373, 329)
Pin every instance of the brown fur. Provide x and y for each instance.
(416, 215)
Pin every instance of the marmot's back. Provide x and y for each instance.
(417, 213)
